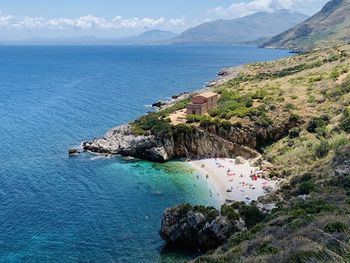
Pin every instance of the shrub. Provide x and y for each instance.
(306, 187)
(266, 248)
(335, 227)
(294, 117)
(230, 212)
(338, 91)
(264, 120)
(210, 212)
(151, 122)
(289, 106)
(322, 149)
(251, 215)
(345, 124)
(295, 132)
(196, 118)
(317, 122)
(260, 94)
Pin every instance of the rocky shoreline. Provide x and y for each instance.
(206, 228)
(186, 227)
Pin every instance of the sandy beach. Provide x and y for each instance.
(234, 181)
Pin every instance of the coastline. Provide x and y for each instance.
(234, 179)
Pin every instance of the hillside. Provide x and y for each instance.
(247, 28)
(312, 220)
(330, 26)
(295, 112)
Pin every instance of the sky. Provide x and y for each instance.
(20, 19)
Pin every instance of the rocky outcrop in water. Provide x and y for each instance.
(162, 104)
(73, 152)
(206, 141)
(185, 142)
(122, 141)
(193, 228)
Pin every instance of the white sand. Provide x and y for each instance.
(233, 182)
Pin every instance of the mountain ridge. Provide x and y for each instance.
(235, 31)
(329, 27)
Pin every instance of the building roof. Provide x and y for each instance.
(207, 94)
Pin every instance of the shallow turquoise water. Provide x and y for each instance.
(86, 209)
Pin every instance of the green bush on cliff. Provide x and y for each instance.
(251, 215)
(306, 187)
(209, 212)
(322, 149)
(345, 120)
(230, 212)
(231, 104)
(334, 227)
(316, 123)
(294, 132)
(182, 128)
(152, 123)
(177, 106)
(194, 118)
(345, 125)
(340, 90)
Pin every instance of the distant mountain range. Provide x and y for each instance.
(329, 27)
(151, 37)
(248, 28)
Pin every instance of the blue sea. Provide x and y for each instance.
(90, 209)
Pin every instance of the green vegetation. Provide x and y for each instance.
(311, 93)
(251, 215)
(345, 120)
(152, 123)
(230, 212)
(317, 123)
(302, 105)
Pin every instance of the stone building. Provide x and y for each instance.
(202, 103)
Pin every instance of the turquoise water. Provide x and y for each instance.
(87, 209)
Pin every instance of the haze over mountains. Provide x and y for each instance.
(151, 37)
(248, 28)
(329, 27)
(260, 25)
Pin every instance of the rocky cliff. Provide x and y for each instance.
(188, 142)
(185, 141)
(193, 228)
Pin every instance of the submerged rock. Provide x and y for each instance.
(73, 152)
(158, 104)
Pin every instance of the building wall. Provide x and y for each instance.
(212, 102)
(199, 109)
(202, 105)
(199, 100)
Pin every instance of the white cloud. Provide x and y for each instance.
(87, 22)
(240, 9)
(178, 21)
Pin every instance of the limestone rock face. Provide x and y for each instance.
(341, 163)
(192, 143)
(189, 228)
(206, 141)
(120, 140)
